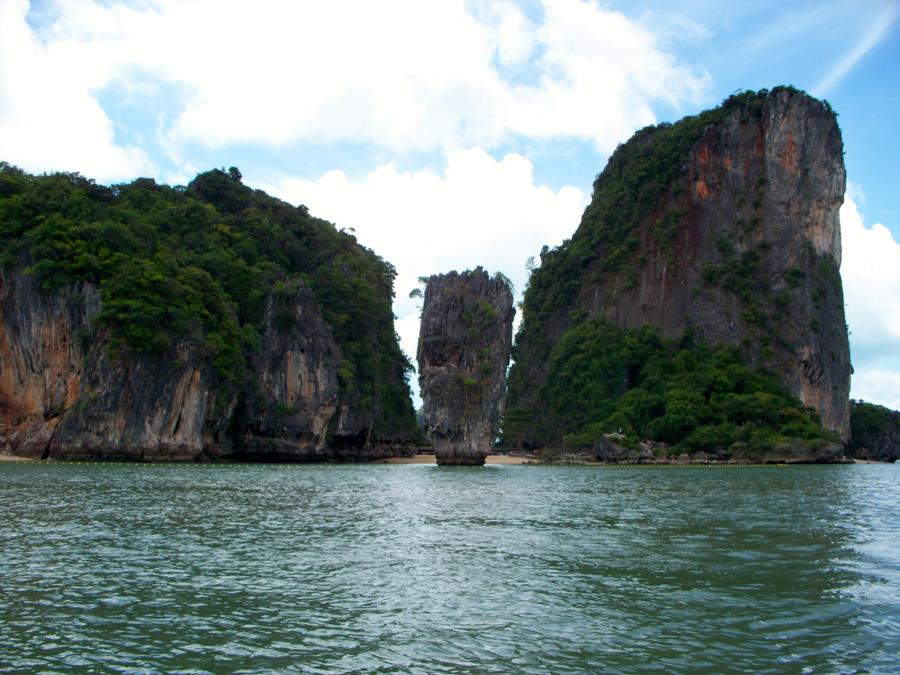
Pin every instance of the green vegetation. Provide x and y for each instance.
(638, 176)
(197, 264)
(869, 419)
(574, 379)
(739, 275)
(794, 277)
(690, 396)
(874, 432)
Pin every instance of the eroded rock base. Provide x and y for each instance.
(456, 456)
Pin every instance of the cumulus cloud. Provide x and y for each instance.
(400, 75)
(600, 71)
(877, 385)
(478, 211)
(49, 117)
(871, 274)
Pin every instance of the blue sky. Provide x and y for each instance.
(448, 133)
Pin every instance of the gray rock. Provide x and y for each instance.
(608, 448)
(65, 395)
(464, 346)
(297, 385)
(756, 203)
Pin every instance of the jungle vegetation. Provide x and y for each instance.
(198, 262)
(688, 395)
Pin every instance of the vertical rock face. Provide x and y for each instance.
(64, 395)
(772, 186)
(736, 237)
(297, 384)
(464, 346)
(41, 360)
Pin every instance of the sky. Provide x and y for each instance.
(450, 133)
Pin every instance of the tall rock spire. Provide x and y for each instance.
(464, 347)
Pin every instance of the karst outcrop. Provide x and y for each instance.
(875, 432)
(464, 347)
(723, 226)
(142, 322)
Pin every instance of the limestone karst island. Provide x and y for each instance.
(696, 314)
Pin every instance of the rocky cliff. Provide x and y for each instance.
(64, 397)
(875, 432)
(464, 346)
(64, 394)
(97, 365)
(724, 225)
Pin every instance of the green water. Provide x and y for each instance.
(416, 568)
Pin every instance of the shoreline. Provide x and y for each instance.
(490, 459)
(507, 460)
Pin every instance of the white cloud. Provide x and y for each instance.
(402, 75)
(877, 30)
(479, 211)
(877, 385)
(49, 118)
(511, 33)
(871, 275)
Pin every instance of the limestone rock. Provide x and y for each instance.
(464, 347)
(65, 395)
(297, 383)
(742, 247)
(609, 448)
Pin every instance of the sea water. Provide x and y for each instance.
(418, 568)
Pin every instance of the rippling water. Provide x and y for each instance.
(419, 568)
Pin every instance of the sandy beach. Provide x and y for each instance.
(430, 459)
(13, 458)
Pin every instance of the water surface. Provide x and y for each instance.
(417, 568)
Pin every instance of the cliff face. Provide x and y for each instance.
(234, 329)
(42, 359)
(464, 346)
(725, 224)
(65, 396)
(296, 384)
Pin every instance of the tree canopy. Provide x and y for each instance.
(197, 263)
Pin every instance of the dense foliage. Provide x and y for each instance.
(197, 263)
(870, 419)
(684, 394)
